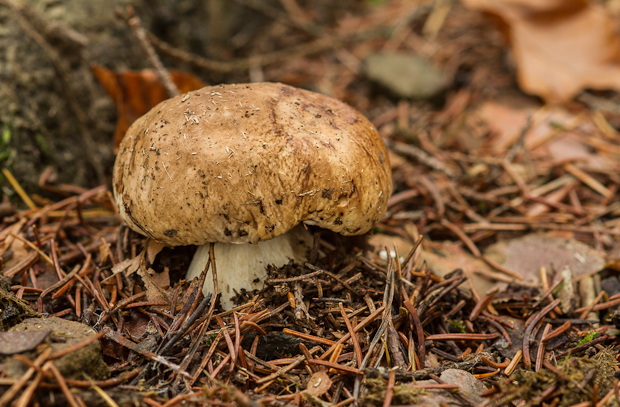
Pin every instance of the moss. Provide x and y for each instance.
(457, 326)
(12, 309)
(403, 393)
(587, 338)
(580, 374)
(80, 364)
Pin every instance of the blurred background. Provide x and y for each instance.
(55, 114)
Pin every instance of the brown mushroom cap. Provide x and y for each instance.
(245, 163)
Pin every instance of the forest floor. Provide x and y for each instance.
(498, 256)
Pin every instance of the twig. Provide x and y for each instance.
(15, 388)
(423, 374)
(540, 354)
(389, 391)
(293, 279)
(335, 366)
(420, 155)
(528, 332)
(116, 337)
(461, 337)
(63, 384)
(287, 368)
(419, 332)
(140, 34)
(294, 52)
(335, 277)
(356, 343)
(77, 346)
(387, 305)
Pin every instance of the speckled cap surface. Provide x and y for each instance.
(248, 162)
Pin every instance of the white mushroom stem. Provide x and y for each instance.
(244, 266)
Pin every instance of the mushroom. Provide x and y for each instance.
(242, 165)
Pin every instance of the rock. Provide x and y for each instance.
(62, 335)
(12, 309)
(433, 398)
(405, 75)
(468, 384)
(469, 387)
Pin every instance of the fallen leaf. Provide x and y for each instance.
(515, 335)
(445, 257)
(554, 134)
(105, 251)
(23, 341)
(152, 250)
(153, 291)
(136, 325)
(162, 279)
(131, 265)
(136, 92)
(319, 383)
(527, 254)
(560, 47)
(46, 275)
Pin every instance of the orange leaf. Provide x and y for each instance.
(560, 47)
(136, 92)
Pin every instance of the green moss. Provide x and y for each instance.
(5, 139)
(574, 385)
(42, 142)
(457, 325)
(587, 338)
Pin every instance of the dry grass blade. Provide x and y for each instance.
(61, 381)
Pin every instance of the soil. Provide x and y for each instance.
(401, 313)
(39, 125)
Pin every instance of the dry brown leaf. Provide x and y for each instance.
(560, 47)
(161, 279)
(105, 251)
(131, 265)
(152, 250)
(136, 92)
(445, 257)
(137, 326)
(527, 254)
(23, 341)
(319, 383)
(554, 134)
(153, 291)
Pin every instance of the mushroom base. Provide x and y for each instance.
(244, 266)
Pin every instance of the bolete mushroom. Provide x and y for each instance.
(243, 165)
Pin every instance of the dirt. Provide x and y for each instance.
(13, 309)
(39, 125)
(83, 363)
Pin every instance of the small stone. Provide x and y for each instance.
(405, 75)
(469, 386)
(62, 335)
